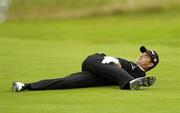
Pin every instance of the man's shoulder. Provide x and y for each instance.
(132, 68)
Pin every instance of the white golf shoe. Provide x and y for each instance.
(17, 86)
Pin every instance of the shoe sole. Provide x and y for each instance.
(134, 86)
(143, 81)
(148, 81)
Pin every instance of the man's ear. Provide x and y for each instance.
(151, 64)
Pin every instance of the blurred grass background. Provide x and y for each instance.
(54, 9)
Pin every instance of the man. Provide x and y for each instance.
(100, 70)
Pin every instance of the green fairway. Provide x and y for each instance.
(34, 50)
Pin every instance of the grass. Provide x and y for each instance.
(52, 9)
(34, 50)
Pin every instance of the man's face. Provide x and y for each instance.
(144, 61)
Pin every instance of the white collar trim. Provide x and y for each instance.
(140, 67)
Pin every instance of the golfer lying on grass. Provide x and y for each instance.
(100, 70)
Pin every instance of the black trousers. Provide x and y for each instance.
(94, 73)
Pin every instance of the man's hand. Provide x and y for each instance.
(109, 60)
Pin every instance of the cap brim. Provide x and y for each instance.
(143, 49)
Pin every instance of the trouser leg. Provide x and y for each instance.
(75, 80)
(111, 73)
